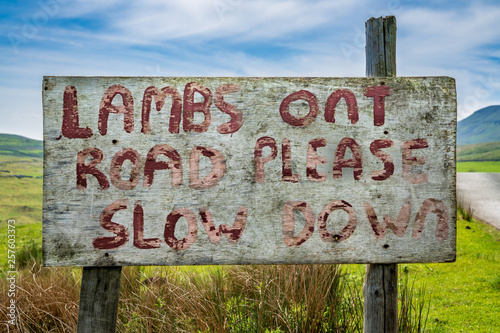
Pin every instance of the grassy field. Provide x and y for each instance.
(18, 146)
(21, 172)
(479, 157)
(487, 151)
(21, 197)
(492, 166)
(464, 296)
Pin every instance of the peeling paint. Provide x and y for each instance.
(230, 167)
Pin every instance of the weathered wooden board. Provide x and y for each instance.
(300, 170)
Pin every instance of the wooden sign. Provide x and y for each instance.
(195, 171)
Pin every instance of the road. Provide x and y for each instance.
(482, 191)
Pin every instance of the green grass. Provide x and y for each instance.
(29, 166)
(465, 295)
(19, 146)
(487, 151)
(492, 166)
(28, 236)
(21, 198)
(479, 157)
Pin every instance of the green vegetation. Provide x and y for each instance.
(21, 194)
(286, 298)
(21, 200)
(21, 181)
(481, 126)
(19, 146)
(455, 297)
(479, 157)
(478, 166)
(28, 242)
(463, 296)
(488, 151)
(465, 210)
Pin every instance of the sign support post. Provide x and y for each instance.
(267, 168)
(99, 295)
(381, 280)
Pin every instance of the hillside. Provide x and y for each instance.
(482, 126)
(16, 145)
(488, 151)
(21, 180)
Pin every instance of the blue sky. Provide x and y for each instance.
(457, 38)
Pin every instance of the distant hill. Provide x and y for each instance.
(482, 126)
(487, 151)
(16, 145)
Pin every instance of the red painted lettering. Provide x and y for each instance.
(355, 162)
(409, 161)
(71, 122)
(236, 115)
(313, 160)
(233, 234)
(378, 93)
(286, 157)
(399, 227)
(262, 142)
(152, 165)
(139, 241)
(116, 165)
(190, 107)
(333, 100)
(347, 231)
(375, 147)
(432, 206)
(289, 223)
(309, 118)
(172, 219)
(159, 96)
(215, 175)
(106, 107)
(121, 232)
(82, 169)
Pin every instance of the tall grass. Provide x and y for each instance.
(464, 209)
(29, 254)
(413, 306)
(295, 298)
(286, 298)
(46, 299)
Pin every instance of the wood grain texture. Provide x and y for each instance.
(381, 47)
(380, 289)
(99, 297)
(380, 304)
(177, 208)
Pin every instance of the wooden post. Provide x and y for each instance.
(381, 281)
(99, 296)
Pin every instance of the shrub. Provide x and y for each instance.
(279, 298)
(29, 254)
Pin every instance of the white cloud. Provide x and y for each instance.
(158, 20)
(81, 8)
(452, 42)
(240, 38)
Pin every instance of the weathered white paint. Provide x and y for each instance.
(417, 108)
